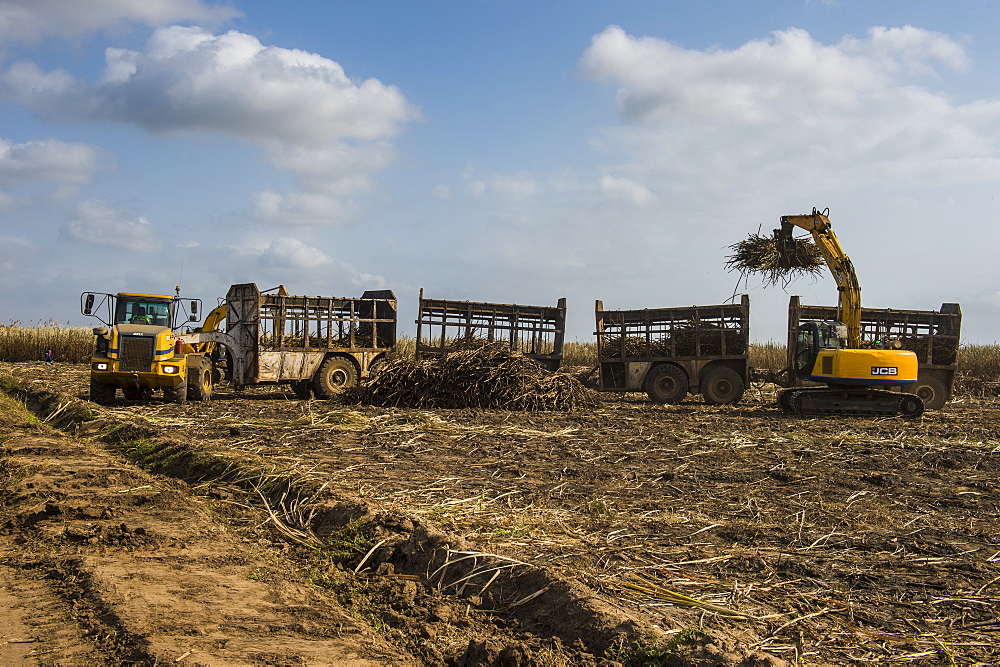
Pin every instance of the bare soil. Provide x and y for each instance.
(261, 528)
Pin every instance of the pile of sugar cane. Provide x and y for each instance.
(490, 376)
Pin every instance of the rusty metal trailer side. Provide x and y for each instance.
(707, 344)
(934, 335)
(287, 338)
(445, 326)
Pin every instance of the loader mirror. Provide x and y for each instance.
(88, 304)
(194, 308)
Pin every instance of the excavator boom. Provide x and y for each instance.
(848, 287)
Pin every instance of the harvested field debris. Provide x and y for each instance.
(779, 260)
(490, 376)
(743, 534)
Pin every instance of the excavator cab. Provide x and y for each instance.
(813, 337)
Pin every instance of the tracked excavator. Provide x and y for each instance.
(861, 378)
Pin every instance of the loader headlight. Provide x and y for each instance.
(100, 366)
(168, 369)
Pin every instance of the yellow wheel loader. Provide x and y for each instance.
(139, 351)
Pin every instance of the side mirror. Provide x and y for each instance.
(88, 304)
(194, 309)
(193, 318)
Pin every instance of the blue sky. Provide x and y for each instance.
(495, 151)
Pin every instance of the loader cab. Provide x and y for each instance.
(144, 309)
(813, 337)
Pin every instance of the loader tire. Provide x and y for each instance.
(101, 393)
(334, 376)
(666, 384)
(722, 386)
(200, 382)
(176, 394)
(931, 391)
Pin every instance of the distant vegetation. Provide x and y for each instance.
(28, 343)
(978, 365)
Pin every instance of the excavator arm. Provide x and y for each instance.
(848, 287)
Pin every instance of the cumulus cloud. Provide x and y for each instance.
(188, 79)
(30, 20)
(98, 223)
(790, 75)
(286, 259)
(48, 161)
(790, 107)
(332, 132)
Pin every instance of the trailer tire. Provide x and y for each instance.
(666, 384)
(334, 376)
(722, 386)
(931, 391)
(101, 393)
(176, 394)
(200, 382)
(302, 388)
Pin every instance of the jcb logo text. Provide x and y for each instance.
(885, 370)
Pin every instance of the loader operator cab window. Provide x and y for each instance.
(142, 311)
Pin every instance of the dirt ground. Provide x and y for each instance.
(261, 528)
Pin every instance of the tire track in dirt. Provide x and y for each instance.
(146, 572)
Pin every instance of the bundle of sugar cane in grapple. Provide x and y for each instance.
(779, 258)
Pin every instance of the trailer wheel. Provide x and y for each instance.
(931, 391)
(334, 376)
(101, 393)
(302, 388)
(176, 394)
(200, 382)
(666, 384)
(722, 386)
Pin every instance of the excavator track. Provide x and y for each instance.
(856, 402)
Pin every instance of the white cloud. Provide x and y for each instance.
(30, 20)
(291, 253)
(301, 208)
(333, 132)
(795, 111)
(788, 77)
(188, 79)
(441, 193)
(338, 168)
(291, 261)
(625, 190)
(98, 223)
(48, 161)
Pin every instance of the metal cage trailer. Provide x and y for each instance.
(671, 352)
(320, 345)
(537, 332)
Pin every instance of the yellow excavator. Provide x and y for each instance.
(860, 377)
